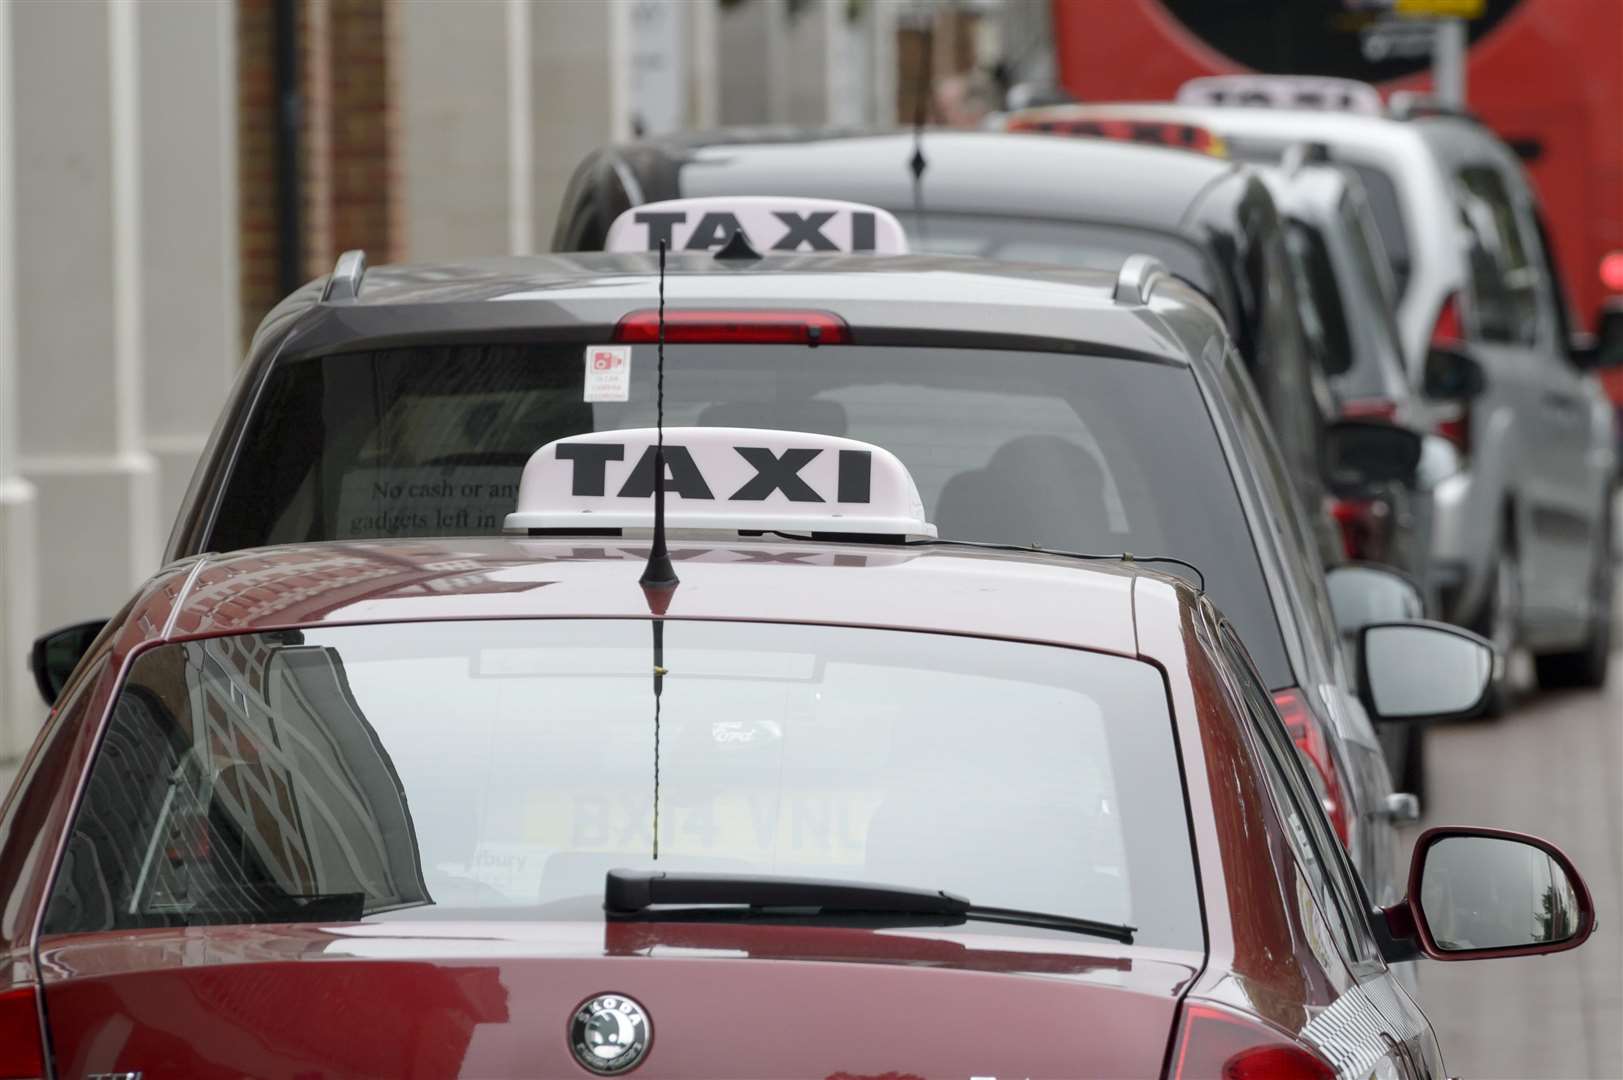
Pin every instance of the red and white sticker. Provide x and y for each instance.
(608, 373)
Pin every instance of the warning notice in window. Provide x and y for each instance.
(608, 373)
(431, 500)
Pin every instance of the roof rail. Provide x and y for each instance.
(345, 281)
(1135, 283)
(1409, 105)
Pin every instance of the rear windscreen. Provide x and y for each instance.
(1388, 211)
(500, 769)
(1080, 453)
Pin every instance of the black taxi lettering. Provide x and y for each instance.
(660, 224)
(775, 472)
(713, 230)
(682, 476)
(804, 228)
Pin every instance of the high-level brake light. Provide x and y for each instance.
(734, 327)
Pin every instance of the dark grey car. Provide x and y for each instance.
(1072, 202)
(1032, 405)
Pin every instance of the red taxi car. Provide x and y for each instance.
(843, 800)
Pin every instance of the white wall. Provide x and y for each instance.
(19, 583)
(191, 342)
(453, 76)
(118, 300)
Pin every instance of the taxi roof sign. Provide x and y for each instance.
(1283, 92)
(771, 224)
(719, 479)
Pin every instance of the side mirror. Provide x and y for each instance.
(55, 655)
(1363, 593)
(1419, 670)
(1452, 375)
(1481, 893)
(1360, 453)
(1603, 348)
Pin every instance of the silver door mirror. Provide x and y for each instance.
(1475, 893)
(1365, 593)
(1416, 670)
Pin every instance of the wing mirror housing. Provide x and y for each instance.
(1604, 348)
(1362, 593)
(1360, 453)
(1476, 894)
(1416, 669)
(55, 655)
(1452, 374)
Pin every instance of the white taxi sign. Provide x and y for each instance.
(771, 224)
(1283, 92)
(726, 479)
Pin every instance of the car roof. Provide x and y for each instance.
(930, 299)
(1020, 175)
(936, 587)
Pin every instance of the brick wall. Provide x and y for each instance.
(256, 161)
(363, 180)
(349, 187)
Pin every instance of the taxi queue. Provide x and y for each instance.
(752, 650)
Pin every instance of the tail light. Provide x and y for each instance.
(1370, 409)
(1611, 271)
(1307, 733)
(745, 327)
(1215, 1043)
(1363, 527)
(22, 1050)
(1448, 332)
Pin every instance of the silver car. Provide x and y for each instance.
(1520, 540)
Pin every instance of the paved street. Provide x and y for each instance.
(1554, 767)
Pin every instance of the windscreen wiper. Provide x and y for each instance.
(634, 894)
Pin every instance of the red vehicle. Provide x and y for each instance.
(871, 804)
(1544, 74)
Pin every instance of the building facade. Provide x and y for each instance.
(170, 168)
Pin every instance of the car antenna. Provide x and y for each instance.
(921, 107)
(659, 578)
(659, 574)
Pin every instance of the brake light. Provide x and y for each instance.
(22, 1052)
(1448, 332)
(1370, 409)
(743, 327)
(1611, 271)
(1362, 524)
(1457, 429)
(1307, 733)
(1215, 1043)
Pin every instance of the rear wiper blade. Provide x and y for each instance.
(632, 893)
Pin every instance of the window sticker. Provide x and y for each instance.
(608, 373)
